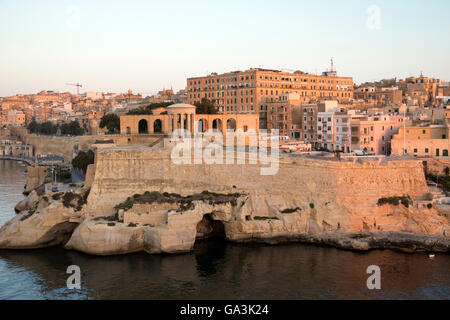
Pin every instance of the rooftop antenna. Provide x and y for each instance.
(332, 65)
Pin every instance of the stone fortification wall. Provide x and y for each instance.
(68, 146)
(328, 186)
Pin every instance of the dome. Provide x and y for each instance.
(180, 108)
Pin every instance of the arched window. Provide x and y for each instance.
(202, 125)
(231, 124)
(157, 126)
(143, 126)
(217, 125)
(445, 153)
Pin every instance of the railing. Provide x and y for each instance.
(15, 158)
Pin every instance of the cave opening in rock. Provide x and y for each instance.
(209, 228)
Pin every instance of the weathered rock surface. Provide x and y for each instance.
(403, 241)
(44, 222)
(28, 203)
(106, 238)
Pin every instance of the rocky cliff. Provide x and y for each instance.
(140, 200)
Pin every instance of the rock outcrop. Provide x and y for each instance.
(45, 221)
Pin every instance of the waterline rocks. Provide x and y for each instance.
(158, 223)
(103, 237)
(46, 221)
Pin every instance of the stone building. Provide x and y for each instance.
(15, 148)
(183, 116)
(292, 117)
(380, 96)
(247, 91)
(422, 141)
(373, 134)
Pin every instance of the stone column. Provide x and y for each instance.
(181, 121)
(194, 125)
(188, 123)
(169, 125)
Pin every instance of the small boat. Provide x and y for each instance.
(431, 255)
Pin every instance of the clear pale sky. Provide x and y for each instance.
(147, 45)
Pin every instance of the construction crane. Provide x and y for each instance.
(75, 85)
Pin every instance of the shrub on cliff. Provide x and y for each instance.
(186, 203)
(290, 210)
(395, 201)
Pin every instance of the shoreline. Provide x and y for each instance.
(365, 241)
(12, 158)
(361, 242)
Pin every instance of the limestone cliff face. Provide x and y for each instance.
(334, 195)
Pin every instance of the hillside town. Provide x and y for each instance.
(327, 111)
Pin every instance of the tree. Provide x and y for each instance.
(33, 127)
(73, 128)
(447, 171)
(83, 159)
(42, 128)
(205, 107)
(47, 128)
(111, 122)
(149, 109)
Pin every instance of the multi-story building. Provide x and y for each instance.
(15, 148)
(249, 91)
(304, 124)
(15, 118)
(373, 134)
(325, 124)
(380, 96)
(342, 139)
(422, 141)
(293, 118)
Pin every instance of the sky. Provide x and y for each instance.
(113, 46)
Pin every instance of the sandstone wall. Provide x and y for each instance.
(35, 177)
(340, 188)
(68, 146)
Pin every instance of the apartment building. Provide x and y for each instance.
(304, 124)
(249, 91)
(325, 124)
(373, 134)
(422, 141)
(293, 118)
(342, 139)
(380, 96)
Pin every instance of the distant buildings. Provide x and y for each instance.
(15, 148)
(419, 91)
